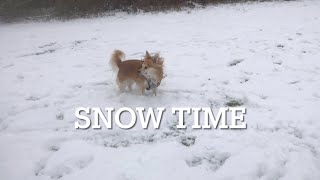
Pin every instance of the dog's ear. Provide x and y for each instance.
(160, 61)
(148, 55)
(155, 57)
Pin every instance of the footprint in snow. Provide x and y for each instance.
(261, 170)
(48, 45)
(48, 51)
(67, 166)
(279, 62)
(188, 140)
(76, 43)
(225, 82)
(263, 97)
(39, 166)
(54, 148)
(20, 77)
(280, 46)
(294, 82)
(235, 62)
(244, 80)
(212, 161)
(33, 98)
(60, 116)
(76, 86)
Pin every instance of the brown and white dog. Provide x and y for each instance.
(146, 73)
(152, 70)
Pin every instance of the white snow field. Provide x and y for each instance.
(266, 56)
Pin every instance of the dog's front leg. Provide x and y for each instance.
(142, 88)
(154, 91)
(142, 91)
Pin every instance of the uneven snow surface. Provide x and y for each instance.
(265, 56)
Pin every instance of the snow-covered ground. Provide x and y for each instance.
(264, 55)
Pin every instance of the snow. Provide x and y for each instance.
(263, 55)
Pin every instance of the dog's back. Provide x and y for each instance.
(127, 71)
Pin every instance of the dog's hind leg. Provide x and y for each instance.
(121, 85)
(130, 83)
(154, 90)
(142, 86)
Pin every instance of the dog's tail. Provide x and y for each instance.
(116, 58)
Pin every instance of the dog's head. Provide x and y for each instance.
(148, 66)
